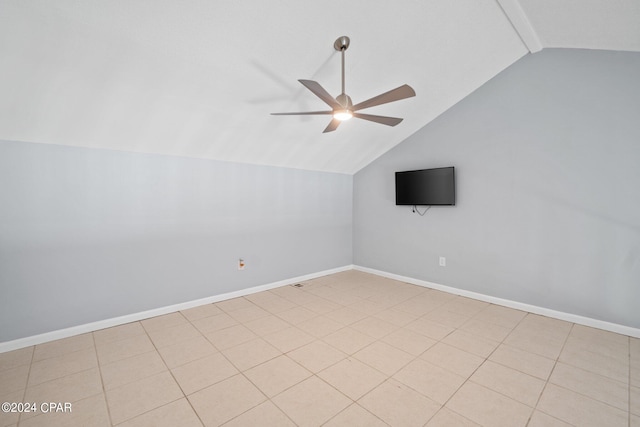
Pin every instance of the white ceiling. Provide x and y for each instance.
(198, 78)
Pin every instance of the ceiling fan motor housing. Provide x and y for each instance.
(345, 101)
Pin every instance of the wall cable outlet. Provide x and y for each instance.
(240, 264)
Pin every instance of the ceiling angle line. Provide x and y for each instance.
(520, 22)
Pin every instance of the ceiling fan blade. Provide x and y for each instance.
(302, 113)
(389, 121)
(333, 125)
(321, 93)
(402, 92)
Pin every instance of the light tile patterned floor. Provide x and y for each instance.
(350, 349)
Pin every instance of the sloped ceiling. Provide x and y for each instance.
(198, 78)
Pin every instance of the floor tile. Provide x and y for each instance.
(132, 369)
(352, 377)
(229, 337)
(471, 343)
(540, 419)
(634, 348)
(596, 386)
(355, 416)
(118, 333)
(136, 398)
(234, 304)
(488, 408)
(634, 374)
(265, 414)
(267, 325)
(226, 400)
(347, 315)
(173, 335)
(251, 353)
(634, 400)
(523, 361)
(60, 366)
(270, 302)
(514, 384)
(409, 341)
(343, 336)
(186, 351)
(465, 306)
(70, 388)
(348, 340)
(15, 358)
(111, 351)
(535, 342)
(177, 413)
(452, 359)
(288, 339)
(609, 364)
(486, 330)
(447, 318)
(396, 317)
(398, 405)
(369, 307)
(13, 379)
(430, 329)
(320, 326)
(539, 335)
(214, 323)
(317, 356)
(164, 321)
(247, 314)
(374, 327)
(201, 312)
(311, 402)
(203, 373)
(599, 336)
(600, 344)
(276, 375)
(430, 380)
(501, 316)
(296, 315)
(579, 410)
(447, 418)
(91, 411)
(63, 346)
(11, 418)
(384, 357)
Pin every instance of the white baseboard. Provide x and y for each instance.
(134, 317)
(573, 318)
(116, 321)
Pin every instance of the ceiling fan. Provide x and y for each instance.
(342, 108)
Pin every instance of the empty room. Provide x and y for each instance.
(287, 213)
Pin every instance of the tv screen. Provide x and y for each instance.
(427, 187)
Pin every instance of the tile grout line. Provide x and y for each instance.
(26, 386)
(555, 363)
(104, 391)
(184, 395)
(483, 362)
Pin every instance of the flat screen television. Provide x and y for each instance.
(426, 187)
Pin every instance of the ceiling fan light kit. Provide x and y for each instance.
(342, 107)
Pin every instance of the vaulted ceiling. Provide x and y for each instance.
(198, 78)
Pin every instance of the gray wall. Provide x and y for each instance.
(547, 158)
(87, 234)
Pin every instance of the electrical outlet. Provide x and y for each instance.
(443, 261)
(240, 264)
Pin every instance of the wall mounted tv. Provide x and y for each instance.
(426, 187)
